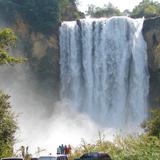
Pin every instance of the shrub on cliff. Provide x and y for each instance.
(7, 41)
(147, 9)
(107, 11)
(41, 15)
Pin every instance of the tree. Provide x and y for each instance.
(7, 41)
(8, 126)
(152, 125)
(126, 12)
(41, 15)
(147, 9)
(68, 10)
(107, 11)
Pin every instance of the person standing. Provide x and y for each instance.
(66, 151)
(62, 149)
(69, 149)
(59, 150)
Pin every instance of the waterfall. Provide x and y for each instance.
(104, 71)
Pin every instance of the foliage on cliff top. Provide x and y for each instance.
(68, 10)
(38, 13)
(42, 15)
(108, 10)
(147, 9)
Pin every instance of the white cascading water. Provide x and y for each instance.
(103, 64)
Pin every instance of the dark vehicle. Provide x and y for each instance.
(12, 158)
(62, 157)
(47, 158)
(94, 156)
(34, 158)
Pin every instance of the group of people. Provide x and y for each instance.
(64, 149)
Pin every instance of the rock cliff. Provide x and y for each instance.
(36, 24)
(151, 33)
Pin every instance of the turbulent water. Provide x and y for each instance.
(104, 73)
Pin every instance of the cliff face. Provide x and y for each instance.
(36, 24)
(151, 33)
(42, 53)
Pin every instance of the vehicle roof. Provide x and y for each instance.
(60, 155)
(13, 158)
(95, 154)
(49, 156)
(98, 155)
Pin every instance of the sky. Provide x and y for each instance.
(121, 4)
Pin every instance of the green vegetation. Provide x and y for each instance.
(146, 8)
(152, 125)
(8, 126)
(34, 20)
(129, 148)
(24, 152)
(68, 10)
(42, 15)
(7, 41)
(107, 11)
(139, 147)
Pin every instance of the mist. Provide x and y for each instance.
(44, 122)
